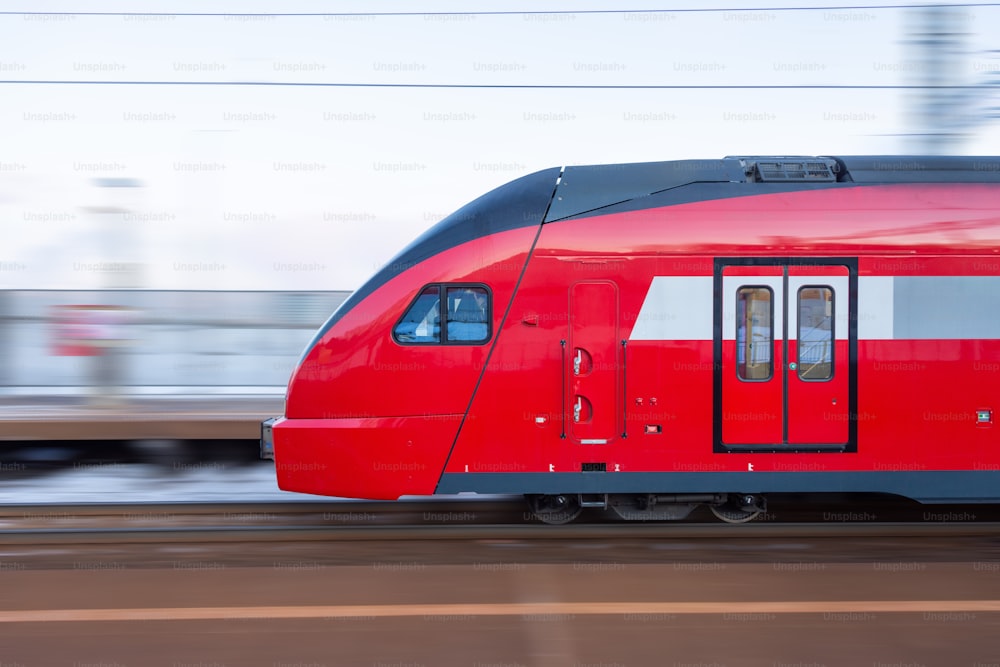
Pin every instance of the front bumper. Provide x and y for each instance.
(378, 458)
(267, 438)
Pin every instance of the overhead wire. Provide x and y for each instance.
(561, 12)
(532, 12)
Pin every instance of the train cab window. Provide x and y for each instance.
(422, 321)
(815, 334)
(464, 309)
(467, 314)
(754, 341)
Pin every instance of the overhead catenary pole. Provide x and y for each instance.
(948, 103)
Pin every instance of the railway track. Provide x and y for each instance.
(425, 520)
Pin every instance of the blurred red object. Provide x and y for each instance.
(86, 330)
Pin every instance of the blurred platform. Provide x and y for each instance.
(136, 417)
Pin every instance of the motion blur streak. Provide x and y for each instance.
(501, 609)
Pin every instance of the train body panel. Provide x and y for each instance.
(716, 336)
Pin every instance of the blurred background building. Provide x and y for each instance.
(155, 341)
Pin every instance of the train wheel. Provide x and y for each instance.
(739, 508)
(555, 510)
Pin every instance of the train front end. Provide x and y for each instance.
(375, 404)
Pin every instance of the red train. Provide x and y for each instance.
(654, 337)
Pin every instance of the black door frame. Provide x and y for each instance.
(852, 400)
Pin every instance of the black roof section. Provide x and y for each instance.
(921, 169)
(592, 190)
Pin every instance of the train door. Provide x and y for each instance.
(592, 362)
(784, 354)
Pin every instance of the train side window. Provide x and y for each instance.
(422, 321)
(754, 340)
(468, 314)
(816, 334)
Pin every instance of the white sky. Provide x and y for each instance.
(298, 187)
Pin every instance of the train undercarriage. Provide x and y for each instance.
(556, 509)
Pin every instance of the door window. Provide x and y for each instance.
(816, 334)
(754, 339)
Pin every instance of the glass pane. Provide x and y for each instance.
(422, 322)
(815, 333)
(754, 342)
(468, 314)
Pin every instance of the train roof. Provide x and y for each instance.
(589, 189)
